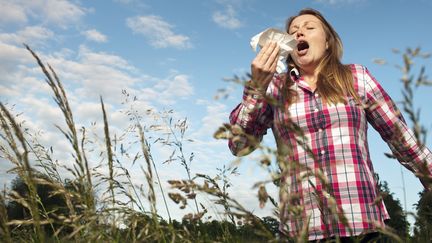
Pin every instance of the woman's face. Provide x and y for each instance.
(311, 42)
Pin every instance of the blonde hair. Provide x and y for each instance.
(335, 80)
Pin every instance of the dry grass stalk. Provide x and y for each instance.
(86, 222)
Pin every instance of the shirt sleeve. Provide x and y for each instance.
(386, 118)
(250, 121)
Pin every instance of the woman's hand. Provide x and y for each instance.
(264, 65)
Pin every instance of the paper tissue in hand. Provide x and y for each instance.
(286, 42)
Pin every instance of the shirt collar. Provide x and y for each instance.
(294, 74)
(297, 78)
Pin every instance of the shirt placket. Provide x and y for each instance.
(319, 126)
(322, 154)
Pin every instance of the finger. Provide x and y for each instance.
(266, 51)
(273, 57)
(274, 65)
(267, 54)
(260, 55)
(260, 60)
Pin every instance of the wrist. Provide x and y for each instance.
(254, 88)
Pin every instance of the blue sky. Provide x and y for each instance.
(175, 55)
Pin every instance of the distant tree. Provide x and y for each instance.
(52, 203)
(214, 229)
(271, 224)
(423, 223)
(398, 220)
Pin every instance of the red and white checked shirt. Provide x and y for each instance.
(337, 136)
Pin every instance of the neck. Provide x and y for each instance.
(310, 76)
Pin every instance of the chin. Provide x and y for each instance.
(301, 64)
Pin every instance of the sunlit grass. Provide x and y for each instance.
(125, 212)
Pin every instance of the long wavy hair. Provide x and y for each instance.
(335, 80)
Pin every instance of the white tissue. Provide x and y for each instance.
(286, 42)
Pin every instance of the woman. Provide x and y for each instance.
(318, 112)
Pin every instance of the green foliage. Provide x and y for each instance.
(423, 224)
(398, 220)
(52, 205)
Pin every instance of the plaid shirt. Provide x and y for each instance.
(337, 137)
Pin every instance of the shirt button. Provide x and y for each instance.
(316, 95)
(316, 109)
(319, 130)
(322, 152)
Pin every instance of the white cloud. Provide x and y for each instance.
(12, 58)
(180, 86)
(31, 35)
(89, 74)
(60, 12)
(95, 36)
(13, 54)
(11, 12)
(227, 19)
(7, 92)
(124, 1)
(96, 80)
(134, 3)
(205, 147)
(101, 58)
(333, 2)
(57, 12)
(216, 115)
(169, 90)
(86, 75)
(159, 32)
(42, 110)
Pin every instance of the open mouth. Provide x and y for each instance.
(302, 46)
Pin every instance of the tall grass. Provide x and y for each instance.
(103, 204)
(84, 219)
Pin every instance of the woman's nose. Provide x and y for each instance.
(299, 33)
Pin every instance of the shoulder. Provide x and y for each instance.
(360, 73)
(364, 82)
(367, 84)
(356, 69)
